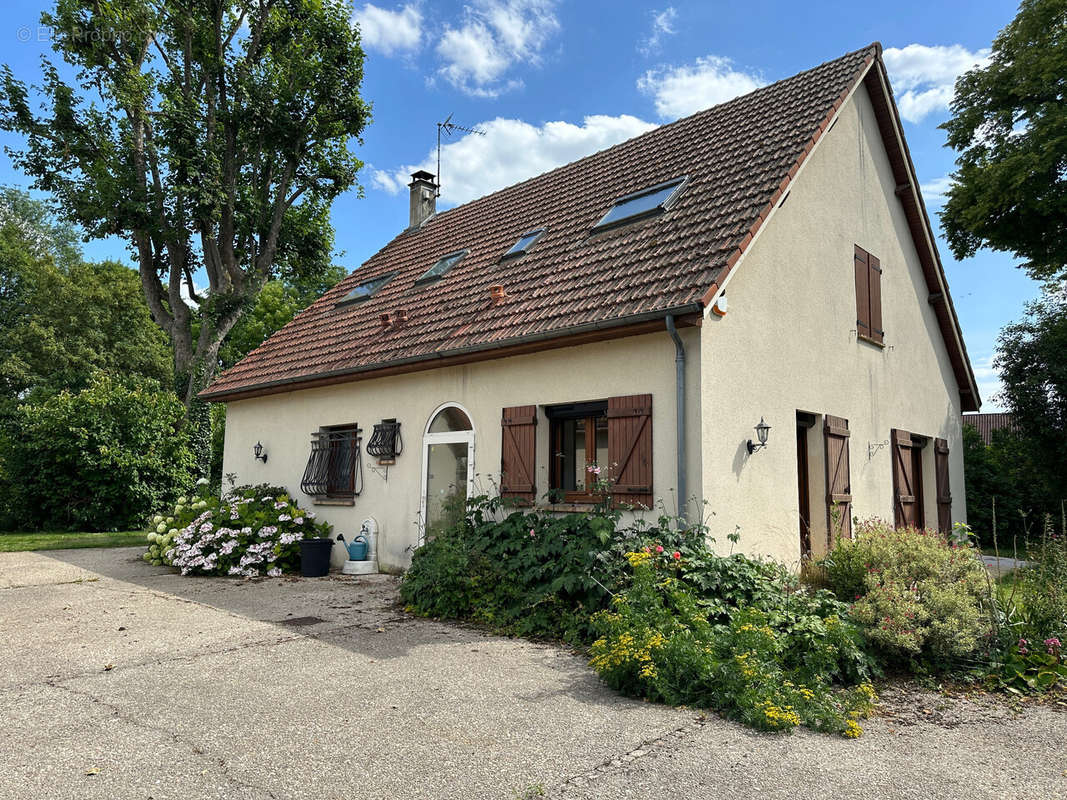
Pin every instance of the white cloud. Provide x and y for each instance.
(389, 32)
(684, 90)
(924, 76)
(933, 191)
(512, 151)
(989, 384)
(494, 35)
(662, 26)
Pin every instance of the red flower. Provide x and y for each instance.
(659, 548)
(677, 556)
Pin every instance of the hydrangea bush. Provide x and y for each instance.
(251, 530)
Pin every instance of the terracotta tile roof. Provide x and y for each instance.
(738, 156)
(987, 423)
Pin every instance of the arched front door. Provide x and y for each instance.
(447, 466)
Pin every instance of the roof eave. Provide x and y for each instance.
(688, 315)
(925, 240)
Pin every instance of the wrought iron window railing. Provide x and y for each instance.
(386, 443)
(334, 468)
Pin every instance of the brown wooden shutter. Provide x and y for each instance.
(838, 480)
(863, 293)
(630, 448)
(944, 489)
(874, 284)
(517, 453)
(905, 497)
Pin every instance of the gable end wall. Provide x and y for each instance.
(789, 343)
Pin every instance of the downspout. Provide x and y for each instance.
(679, 388)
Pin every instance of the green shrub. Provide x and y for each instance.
(1043, 586)
(656, 642)
(252, 530)
(521, 572)
(100, 459)
(1031, 620)
(918, 596)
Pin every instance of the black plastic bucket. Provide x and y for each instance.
(315, 557)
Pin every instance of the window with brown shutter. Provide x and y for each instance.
(602, 442)
(907, 479)
(518, 453)
(868, 271)
(838, 479)
(944, 490)
(578, 436)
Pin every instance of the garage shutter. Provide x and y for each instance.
(838, 480)
(944, 489)
(630, 448)
(517, 453)
(905, 495)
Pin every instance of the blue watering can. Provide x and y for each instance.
(357, 548)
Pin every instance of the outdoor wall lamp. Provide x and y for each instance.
(258, 450)
(761, 433)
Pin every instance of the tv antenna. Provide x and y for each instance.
(449, 127)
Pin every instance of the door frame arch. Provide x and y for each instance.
(447, 437)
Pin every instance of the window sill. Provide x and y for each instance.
(874, 342)
(566, 508)
(333, 501)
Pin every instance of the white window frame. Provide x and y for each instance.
(448, 437)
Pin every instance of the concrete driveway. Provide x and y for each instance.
(120, 680)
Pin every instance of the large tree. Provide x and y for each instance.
(1009, 125)
(213, 135)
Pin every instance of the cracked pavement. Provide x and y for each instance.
(122, 680)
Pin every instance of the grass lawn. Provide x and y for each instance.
(62, 540)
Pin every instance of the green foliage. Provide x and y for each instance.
(525, 573)
(1032, 361)
(656, 642)
(918, 596)
(216, 148)
(252, 530)
(1030, 620)
(98, 459)
(59, 322)
(218, 443)
(1010, 127)
(1007, 491)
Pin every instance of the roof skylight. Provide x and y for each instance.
(653, 200)
(526, 241)
(444, 264)
(367, 288)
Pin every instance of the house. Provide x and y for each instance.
(580, 319)
(985, 424)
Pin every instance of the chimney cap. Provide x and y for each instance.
(422, 175)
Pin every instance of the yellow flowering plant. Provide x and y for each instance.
(656, 642)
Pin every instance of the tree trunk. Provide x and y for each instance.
(193, 371)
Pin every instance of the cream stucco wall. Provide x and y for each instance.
(789, 343)
(284, 423)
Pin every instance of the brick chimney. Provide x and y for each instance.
(423, 198)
